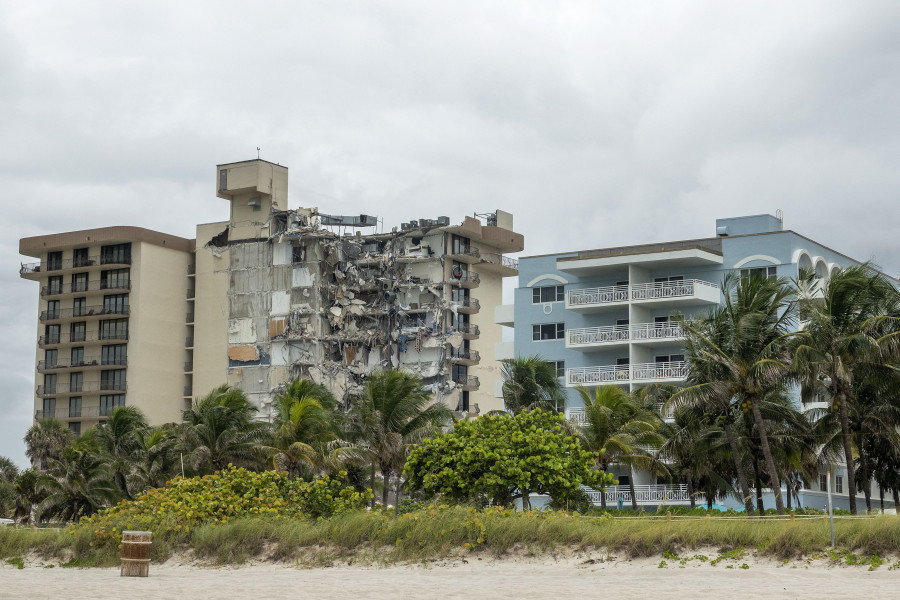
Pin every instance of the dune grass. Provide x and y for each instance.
(453, 531)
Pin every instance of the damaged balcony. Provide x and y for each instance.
(467, 383)
(467, 306)
(466, 254)
(499, 264)
(465, 357)
(469, 331)
(464, 279)
(84, 312)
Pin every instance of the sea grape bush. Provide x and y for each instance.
(230, 493)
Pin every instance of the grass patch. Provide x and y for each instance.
(435, 532)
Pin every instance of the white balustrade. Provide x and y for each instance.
(641, 291)
(645, 494)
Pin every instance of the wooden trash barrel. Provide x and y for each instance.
(136, 553)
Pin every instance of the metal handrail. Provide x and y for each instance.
(85, 362)
(624, 373)
(70, 263)
(499, 259)
(90, 286)
(88, 311)
(639, 291)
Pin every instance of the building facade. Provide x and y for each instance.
(137, 317)
(605, 317)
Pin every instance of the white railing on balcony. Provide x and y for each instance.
(597, 335)
(660, 370)
(668, 289)
(575, 415)
(644, 494)
(656, 331)
(639, 291)
(624, 373)
(601, 295)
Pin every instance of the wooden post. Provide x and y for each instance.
(792, 514)
(135, 553)
(668, 515)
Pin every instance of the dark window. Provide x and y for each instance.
(77, 356)
(223, 179)
(51, 357)
(79, 307)
(75, 406)
(624, 479)
(80, 282)
(768, 272)
(461, 322)
(54, 284)
(49, 407)
(669, 279)
(548, 331)
(50, 383)
(665, 358)
(459, 372)
(839, 484)
(114, 355)
(76, 382)
(547, 293)
(51, 334)
(54, 261)
(53, 309)
(560, 367)
(116, 254)
(459, 245)
(75, 427)
(115, 279)
(78, 331)
(823, 482)
(114, 329)
(108, 403)
(116, 304)
(112, 380)
(460, 295)
(463, 401)
(80, 257)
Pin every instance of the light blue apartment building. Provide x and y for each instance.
(605, 316)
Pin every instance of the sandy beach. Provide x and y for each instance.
(579, 577)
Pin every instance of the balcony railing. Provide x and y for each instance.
(468, 382)
(64, 414)
(638, 332)
(472, 355)
(90, 286)
(64, 363)
(645, 494)
(465, 278)
(72, 263)
(467, 251)
(626, 373)
(499, 259)
(472, 303)
(469, 329)
(87, 311)
(642, 291)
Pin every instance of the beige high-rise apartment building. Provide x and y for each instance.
(131, 316)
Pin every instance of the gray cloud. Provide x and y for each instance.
(595, 123)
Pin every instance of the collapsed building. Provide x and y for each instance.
(286, 293)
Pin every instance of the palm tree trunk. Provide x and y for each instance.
(787, 485)
(881, 497)
(526, 500)
(372, 483)
(848, 451)
(386, 489)
(864, 474)
(896, 493)
(757, 482)
(631, 489)
(742, 477)
(690, 486)
(767, 453)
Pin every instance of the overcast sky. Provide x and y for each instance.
(595, 123)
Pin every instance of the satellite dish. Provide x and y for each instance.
(457, 272)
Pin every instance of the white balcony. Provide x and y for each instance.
(645, 495)
(658, 372)
(686, 292)
(591, 338)
(577, 415)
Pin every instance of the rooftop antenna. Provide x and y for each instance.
(257, 153)
(779, 215)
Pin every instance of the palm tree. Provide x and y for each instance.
(848, 326)
(27, 495)
(158, 455)
(45, 439)
(394, 412)
(119, 443)
(618, 430)
(8, 473)
(76, 485)
(747, 355)
(219, 429)
(531, 382)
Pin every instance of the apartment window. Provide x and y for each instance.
(51, 334)
(112, 380)
(666, 358)
(114, 329)
(80, 282)
(823, 482)
(459, 372)
(51, 358)
(77, 356)
(223, 179)
(54, 284)
(54, 261)
(50, 383)
(463, 402)
(53, 309)
(462, 351)
(459, 244)
(114, 279)
(297, 254)
(78, 331)
(560, 367)
(662, 321)
(547, 293)
(76, 382)
(116, 354)
(110, 402)
(79, 307)
(624, 479)
(767, 272)
(80, 257)
(548, 331)
(461, 322)
(839, 485)
(460, 295)
(75, 406)
(116, 254)
(115, 304)
(49, 407)
(669, 279)
(75, 427)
